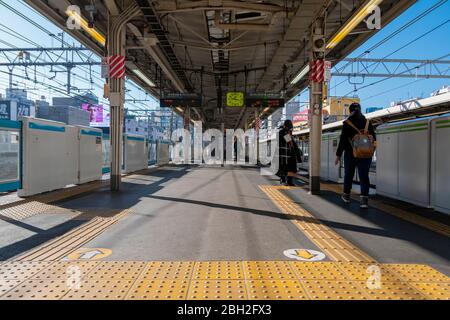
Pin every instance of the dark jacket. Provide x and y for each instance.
(289, 154)
(348, 133)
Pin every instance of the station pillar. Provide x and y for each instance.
(316, 106)
(116, 46)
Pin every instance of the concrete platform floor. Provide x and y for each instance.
(223, 220)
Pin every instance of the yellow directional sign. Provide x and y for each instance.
(304, 254)
(89, 254)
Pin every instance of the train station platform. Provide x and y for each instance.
(202, 232)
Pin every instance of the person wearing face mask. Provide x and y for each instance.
(357, 144)
(289, 155)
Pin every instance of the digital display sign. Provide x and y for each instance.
(235, 99)
(181, 101)
(264, 102)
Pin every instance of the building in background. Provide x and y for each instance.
(16, 105)
(337, 108)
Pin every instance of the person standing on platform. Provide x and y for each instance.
(289, 154)
(357, 143)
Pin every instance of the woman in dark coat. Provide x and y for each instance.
(289, 154)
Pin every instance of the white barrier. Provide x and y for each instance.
(403, 161)
(162, 153)
(50, 153)
(135, 153)
(440, 164)
(90, 154)
(329, 171)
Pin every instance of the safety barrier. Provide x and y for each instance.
(163, 153)
(50, 153)
(413, 162)
(10, 157)
(329, 171)
(90, 154)
(440, 164)
(135, 153)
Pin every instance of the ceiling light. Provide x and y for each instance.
(353, 22)
(85, 26)
(301, 74)
(143, 77)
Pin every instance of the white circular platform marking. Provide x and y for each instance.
(304, 254)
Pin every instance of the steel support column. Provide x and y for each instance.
(116, 46)
(316, 105)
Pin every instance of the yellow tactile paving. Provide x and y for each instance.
(333, 290)
(19, 270)
(417, 273)
(268, 270)
(41, 203)
(6, 285)
(38, 290)
(392, 291)
(276, 290)
(170, 270)
(318, 270)
(114, 270)
(94, 289)
(437, 291)
(218, 270)
(331, 243)
(62, 270)
(219, 280)
(62, 246)
(217, 290)
(362, 271)
(151, 289)
(424, 222)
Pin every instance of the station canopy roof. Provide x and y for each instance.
(255, 46)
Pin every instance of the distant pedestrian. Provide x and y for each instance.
(289, 154)
(357, 143)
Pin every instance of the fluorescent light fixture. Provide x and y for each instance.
(143, 77)
(85, 26)
(353, 22)
(301, 74)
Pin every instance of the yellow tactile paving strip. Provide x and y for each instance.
(69, 242)
(424, 222)
(217, 280)
(41, 203)
(331, 243)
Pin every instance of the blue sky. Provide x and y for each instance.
(433, 46)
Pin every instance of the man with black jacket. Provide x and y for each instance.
(350, 162)
(289, 154)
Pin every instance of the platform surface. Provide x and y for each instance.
(192, 232)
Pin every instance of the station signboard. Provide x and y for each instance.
(264, 101)
(181, 101)
(5, 110)
(235, 99)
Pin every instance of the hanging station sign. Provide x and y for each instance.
(235, 99)
(181, 100)
(264, 101)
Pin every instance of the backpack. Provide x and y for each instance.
(362, 143)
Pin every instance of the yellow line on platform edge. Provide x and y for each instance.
(421, 221)
(333, 245)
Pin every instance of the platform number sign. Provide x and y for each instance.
(23, 110)
(5, 110)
